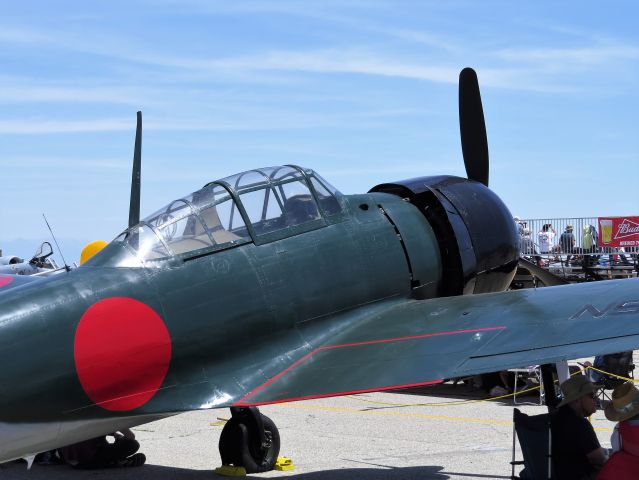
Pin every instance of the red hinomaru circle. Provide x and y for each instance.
(122, 352)
(5, 280)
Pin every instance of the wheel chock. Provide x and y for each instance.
(284, 464)
(231, 471)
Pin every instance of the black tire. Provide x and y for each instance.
(239, 445)
(230, 443)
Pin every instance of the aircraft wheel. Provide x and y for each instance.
(240, 445)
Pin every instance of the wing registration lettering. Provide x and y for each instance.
(614, 308)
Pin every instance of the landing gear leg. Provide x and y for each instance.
(250, 440)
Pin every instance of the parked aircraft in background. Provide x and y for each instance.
(41, 263)
(271, 286)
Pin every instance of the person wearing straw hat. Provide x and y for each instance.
(624, 408)
(576, 452)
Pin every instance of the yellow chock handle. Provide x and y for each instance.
(284, 464)
(231, 471)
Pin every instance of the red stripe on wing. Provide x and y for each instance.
(245, 403)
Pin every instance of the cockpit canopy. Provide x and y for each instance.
(255, 206)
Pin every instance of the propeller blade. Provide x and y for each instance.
(549, 279)
(134, 205)
(472, 127)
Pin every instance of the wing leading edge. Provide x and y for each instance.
(421, 342)
(7, 282)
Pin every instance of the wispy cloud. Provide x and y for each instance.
(363, 62)
(584, 56)
(23, 35)
(280, 7)
(317, 61)
(533, 68)
(65, 162)
(433, 167)
(27, 92)
(39, 127)
(244, 121)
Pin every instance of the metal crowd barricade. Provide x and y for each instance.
(581, 257)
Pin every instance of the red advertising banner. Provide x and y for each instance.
(618, 232)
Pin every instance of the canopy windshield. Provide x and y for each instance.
(234, 210)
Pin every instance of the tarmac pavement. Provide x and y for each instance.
(413, 434)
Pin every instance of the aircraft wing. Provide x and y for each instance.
(8, 281)
(399, 343)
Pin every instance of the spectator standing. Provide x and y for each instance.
(526, 244)
(546, 238)
(567, 242)
(520, 225)
(589, 239)
(527, 247)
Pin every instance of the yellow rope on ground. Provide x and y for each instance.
(443, 404)
(395, 413)
(490, 399)
(613, 375)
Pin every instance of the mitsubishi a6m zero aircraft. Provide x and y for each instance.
(270, 286)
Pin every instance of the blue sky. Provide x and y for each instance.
(362, 91)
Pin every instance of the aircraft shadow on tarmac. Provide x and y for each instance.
(459, 392)
(18, 471)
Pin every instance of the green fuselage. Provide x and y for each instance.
(233, 316)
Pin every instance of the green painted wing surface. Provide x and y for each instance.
(402, 343)
(8, 282)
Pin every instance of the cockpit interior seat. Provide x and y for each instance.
(300, 209)
(211, 218)
(224, 236)
(218, 232)
(329, 204)
(188, 244)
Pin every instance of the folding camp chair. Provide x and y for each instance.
(534, 434)
(620, 364)
(531, 376)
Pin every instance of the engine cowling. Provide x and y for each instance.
(475, 231)
(10, 260)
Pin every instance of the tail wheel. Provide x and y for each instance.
(240, 444)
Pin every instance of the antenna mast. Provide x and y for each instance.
(66, 267)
